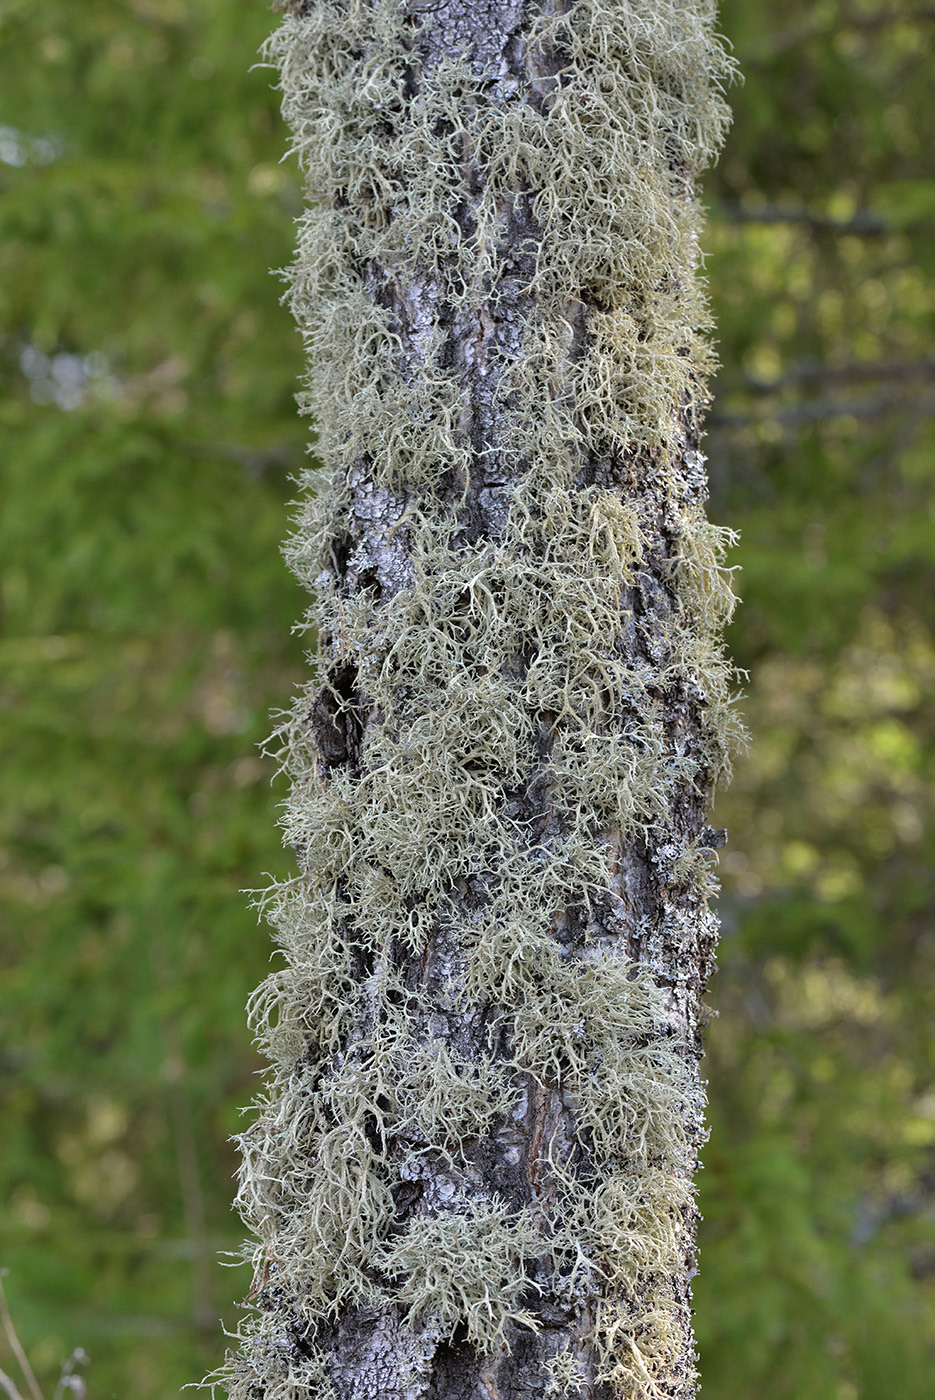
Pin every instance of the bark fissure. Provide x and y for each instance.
(471, 1174)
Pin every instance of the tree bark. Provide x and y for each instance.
(471, 1173)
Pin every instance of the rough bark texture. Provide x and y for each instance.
(471, 1174)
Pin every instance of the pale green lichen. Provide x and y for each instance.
(613, 351)
(465, 1267)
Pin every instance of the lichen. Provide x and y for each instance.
(465, 1268)
(500, 671)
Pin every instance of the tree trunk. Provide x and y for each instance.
(472, 1172)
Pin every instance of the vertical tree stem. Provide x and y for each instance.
(472, 1172)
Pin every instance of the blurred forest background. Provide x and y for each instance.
(149, 434)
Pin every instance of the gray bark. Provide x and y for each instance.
(385, 1333)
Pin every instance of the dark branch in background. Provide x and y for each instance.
(884, 18)
(825, 410)
(864, 222)
(873, 1215)
(802, 34)
(814, 372)
(254, 460)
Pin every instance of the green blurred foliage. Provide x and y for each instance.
(818, 1248)
(149, 424)
(149, 430)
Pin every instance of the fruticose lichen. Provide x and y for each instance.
(493, 729)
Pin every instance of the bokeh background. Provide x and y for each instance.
(149, 435)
